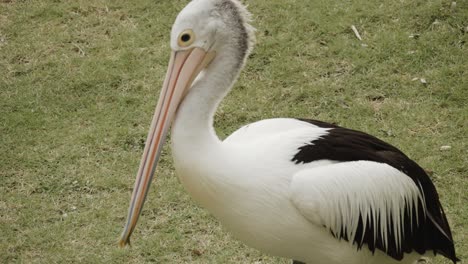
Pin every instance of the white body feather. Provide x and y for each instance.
(251, 185)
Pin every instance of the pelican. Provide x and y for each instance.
(305, 190)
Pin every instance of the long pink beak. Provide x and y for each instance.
(183, 67)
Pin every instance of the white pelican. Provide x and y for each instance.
(300, 189)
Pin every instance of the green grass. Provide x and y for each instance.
(80, 79)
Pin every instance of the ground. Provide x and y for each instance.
(80, 79)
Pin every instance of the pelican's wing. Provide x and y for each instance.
(382, 175)
(367, 202)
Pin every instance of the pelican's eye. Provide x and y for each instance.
(186, 38)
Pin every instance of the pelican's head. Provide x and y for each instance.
(205, 31)
(214, 26)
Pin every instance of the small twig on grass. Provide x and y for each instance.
(356, 32)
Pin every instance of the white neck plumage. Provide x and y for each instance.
(193, 124)
(196, 149)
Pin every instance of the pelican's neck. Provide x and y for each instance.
(232, 38)
(193, 125)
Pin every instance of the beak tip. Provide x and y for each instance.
(124, 242)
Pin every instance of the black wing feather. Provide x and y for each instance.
(432, 233)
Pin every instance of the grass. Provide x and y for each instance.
(80, 79)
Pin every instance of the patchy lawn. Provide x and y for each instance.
(80, 79)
